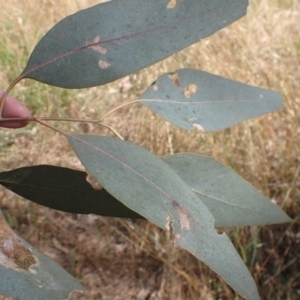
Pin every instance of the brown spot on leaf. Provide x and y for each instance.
(169, 225)
(175, 79)
(95, 45)
(190, 90)
(63, 37)
(172, 4)
(183, 218)
(12, 252)
(177, 236)
(103, 64)
(199, 127)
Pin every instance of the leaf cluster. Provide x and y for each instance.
(184, 193)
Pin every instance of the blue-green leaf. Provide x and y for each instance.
(232, 200)
(147, 185)
(27, 274)
(112, 39)
(194, 99)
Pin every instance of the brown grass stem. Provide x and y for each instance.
(154, 254)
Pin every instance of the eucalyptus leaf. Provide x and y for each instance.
(27, 274)
(191, 99)
(147, 185)
(112, 39)
(232, 200)
(63, 189)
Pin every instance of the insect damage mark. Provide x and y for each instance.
(169, 225)
(183, 218)
(103, 64)
(13, 253)
(177, 236)
(175, 79)
(172, 4)
(155, 87)
(199, 127)
(94, 45)
(63, 37)
(190, 90)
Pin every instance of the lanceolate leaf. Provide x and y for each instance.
(150, 187)
(231, 199)
(194, 99)
(27, 274)
(63, 189)
(116, 38)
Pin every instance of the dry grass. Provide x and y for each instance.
(117, 259)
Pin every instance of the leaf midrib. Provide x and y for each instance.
(228, 203)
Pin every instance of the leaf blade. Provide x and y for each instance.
(28, 274)
(147, 185)
(215, 103)
(231, 199)
(63, 189)
(112, 39)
